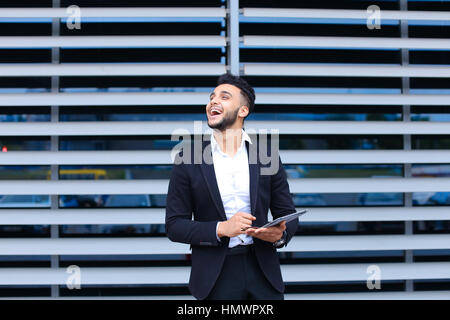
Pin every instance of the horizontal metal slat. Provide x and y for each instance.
(350, 70)
(91, 246)
(130, 157)
(201, 98)
(135, 12)
(358, 272)
(112, 41)
(42, 276)
(374, 295)
(163, 157)
(345, 42)
(157, 216)
(371, 295)
(30, 187)
(363, 243)
(83, 216)
(384, 213)
(181, 128)
(127, 246)
(362, 156)
(110, 69)
(361, 185)
(104, 98)
(160, 186)
(180, 275)
(343, 99)
(351, 127)
(345, 14)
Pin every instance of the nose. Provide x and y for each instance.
(213, 101)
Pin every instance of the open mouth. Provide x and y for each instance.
(215, 112)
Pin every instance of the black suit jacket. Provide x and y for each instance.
(193, 191)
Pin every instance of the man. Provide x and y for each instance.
(231, 259)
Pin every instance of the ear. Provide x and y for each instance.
(243, 111)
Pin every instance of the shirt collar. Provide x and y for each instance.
(215, 145)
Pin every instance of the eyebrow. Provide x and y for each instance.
(226, 92)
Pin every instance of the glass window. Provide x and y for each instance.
(112, 230)
(350, 228)
(347, 199)
(341, 286)
(24, 231)
(25, 291)
(7, 261)
(431, 142)
(432, 114)
(25, 114)
(25, 143)
(342, 171)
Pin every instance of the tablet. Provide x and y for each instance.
(286, 218)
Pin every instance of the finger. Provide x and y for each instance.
(250, 232)
(245, 215)
(261, 230)
(281, 226)
(245, 227)
(246, 222)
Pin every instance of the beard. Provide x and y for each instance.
(227, 121)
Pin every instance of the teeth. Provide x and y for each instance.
(215, 111)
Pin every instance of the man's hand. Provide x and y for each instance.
(270, 234)
(233, 226)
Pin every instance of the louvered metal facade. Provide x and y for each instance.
(88, 106)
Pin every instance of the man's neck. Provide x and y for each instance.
(229, 140)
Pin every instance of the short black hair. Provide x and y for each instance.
(247, 91)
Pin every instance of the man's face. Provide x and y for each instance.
(223, 109)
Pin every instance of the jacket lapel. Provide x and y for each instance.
(254, 179)
(211, 182)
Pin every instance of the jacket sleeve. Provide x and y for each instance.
(281, 202)
(179, 207)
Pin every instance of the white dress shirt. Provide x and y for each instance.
(233, 180)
